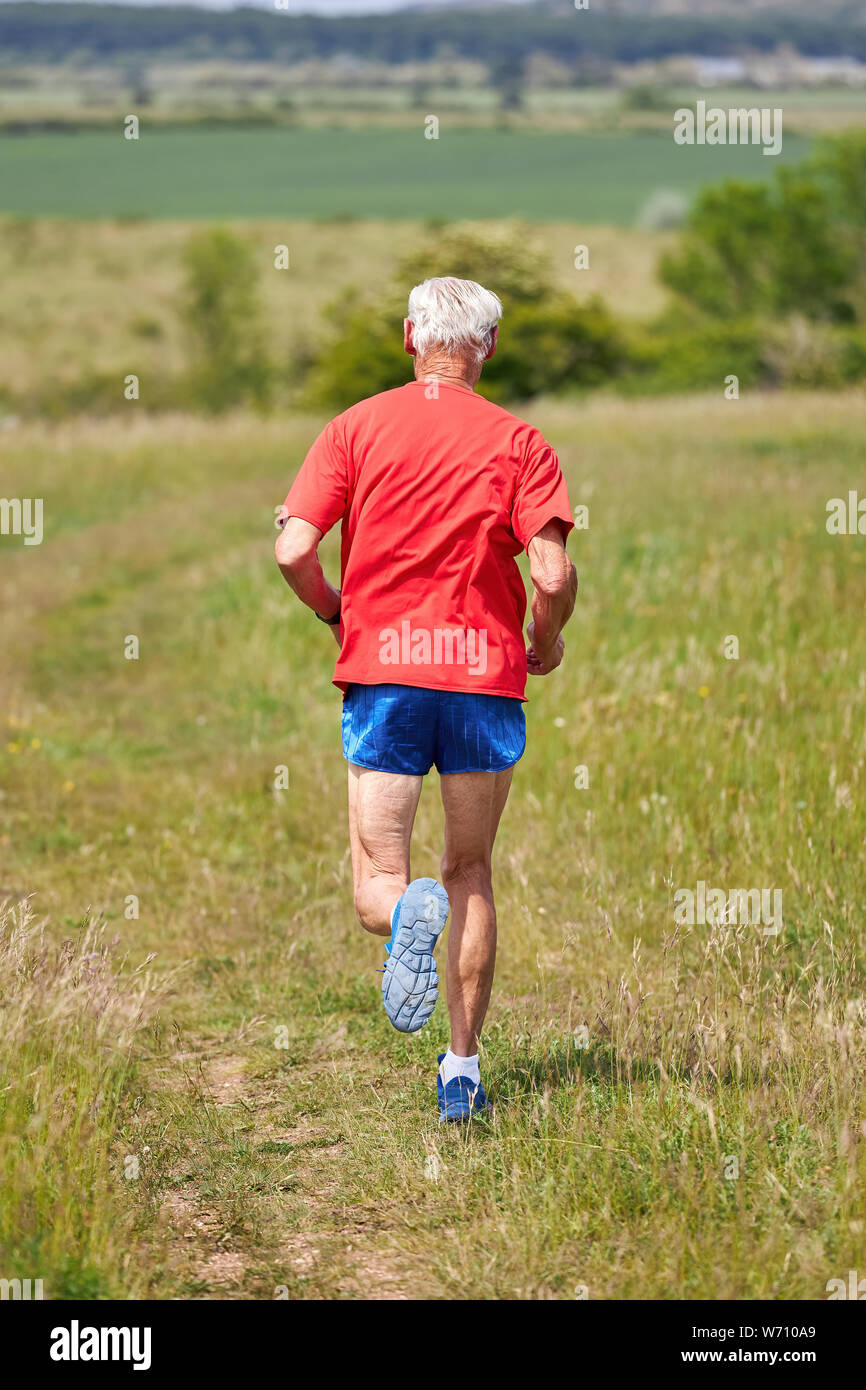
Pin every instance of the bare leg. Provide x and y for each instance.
(382, 808)
(474, 802)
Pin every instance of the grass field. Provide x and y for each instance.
(236, 1116)
(367, 172)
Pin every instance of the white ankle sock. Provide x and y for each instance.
(452, 1065)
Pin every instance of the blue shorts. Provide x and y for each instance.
(405, 728)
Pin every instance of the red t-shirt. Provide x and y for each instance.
(438, 491)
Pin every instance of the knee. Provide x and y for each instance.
(462, 869)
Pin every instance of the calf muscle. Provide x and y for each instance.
(473, 802)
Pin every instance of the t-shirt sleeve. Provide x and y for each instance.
(541, 494)
(320, 491)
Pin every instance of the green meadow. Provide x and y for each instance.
(221, 171)
(202, 1097)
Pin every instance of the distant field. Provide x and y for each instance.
(365, 173)
(90, 95)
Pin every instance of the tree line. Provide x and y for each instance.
(54, 33)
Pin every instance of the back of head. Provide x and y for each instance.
(456, 317)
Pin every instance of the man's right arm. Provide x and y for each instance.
(317, 500)
(554, 582)
(297, 556)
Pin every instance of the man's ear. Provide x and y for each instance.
(493, 341)
(408, 345)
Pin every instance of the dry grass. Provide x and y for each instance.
(73, 1014)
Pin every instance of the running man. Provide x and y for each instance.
(438, 490)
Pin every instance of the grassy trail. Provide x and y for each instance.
(252, 1123)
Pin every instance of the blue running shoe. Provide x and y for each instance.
(395, 922)
(461, 1098)
(410, 985)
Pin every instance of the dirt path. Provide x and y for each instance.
(284, 1232)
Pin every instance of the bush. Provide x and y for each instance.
(838, 165)
(683, 353)
(795, 246)
(694, 356)
(644, 96)
(224, 319)
(364, 356)
(800, 353)
(552, 346)
(770, 280)
(548, 341)
(853, 366)
(506, 257)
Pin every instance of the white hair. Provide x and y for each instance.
(457, 316)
